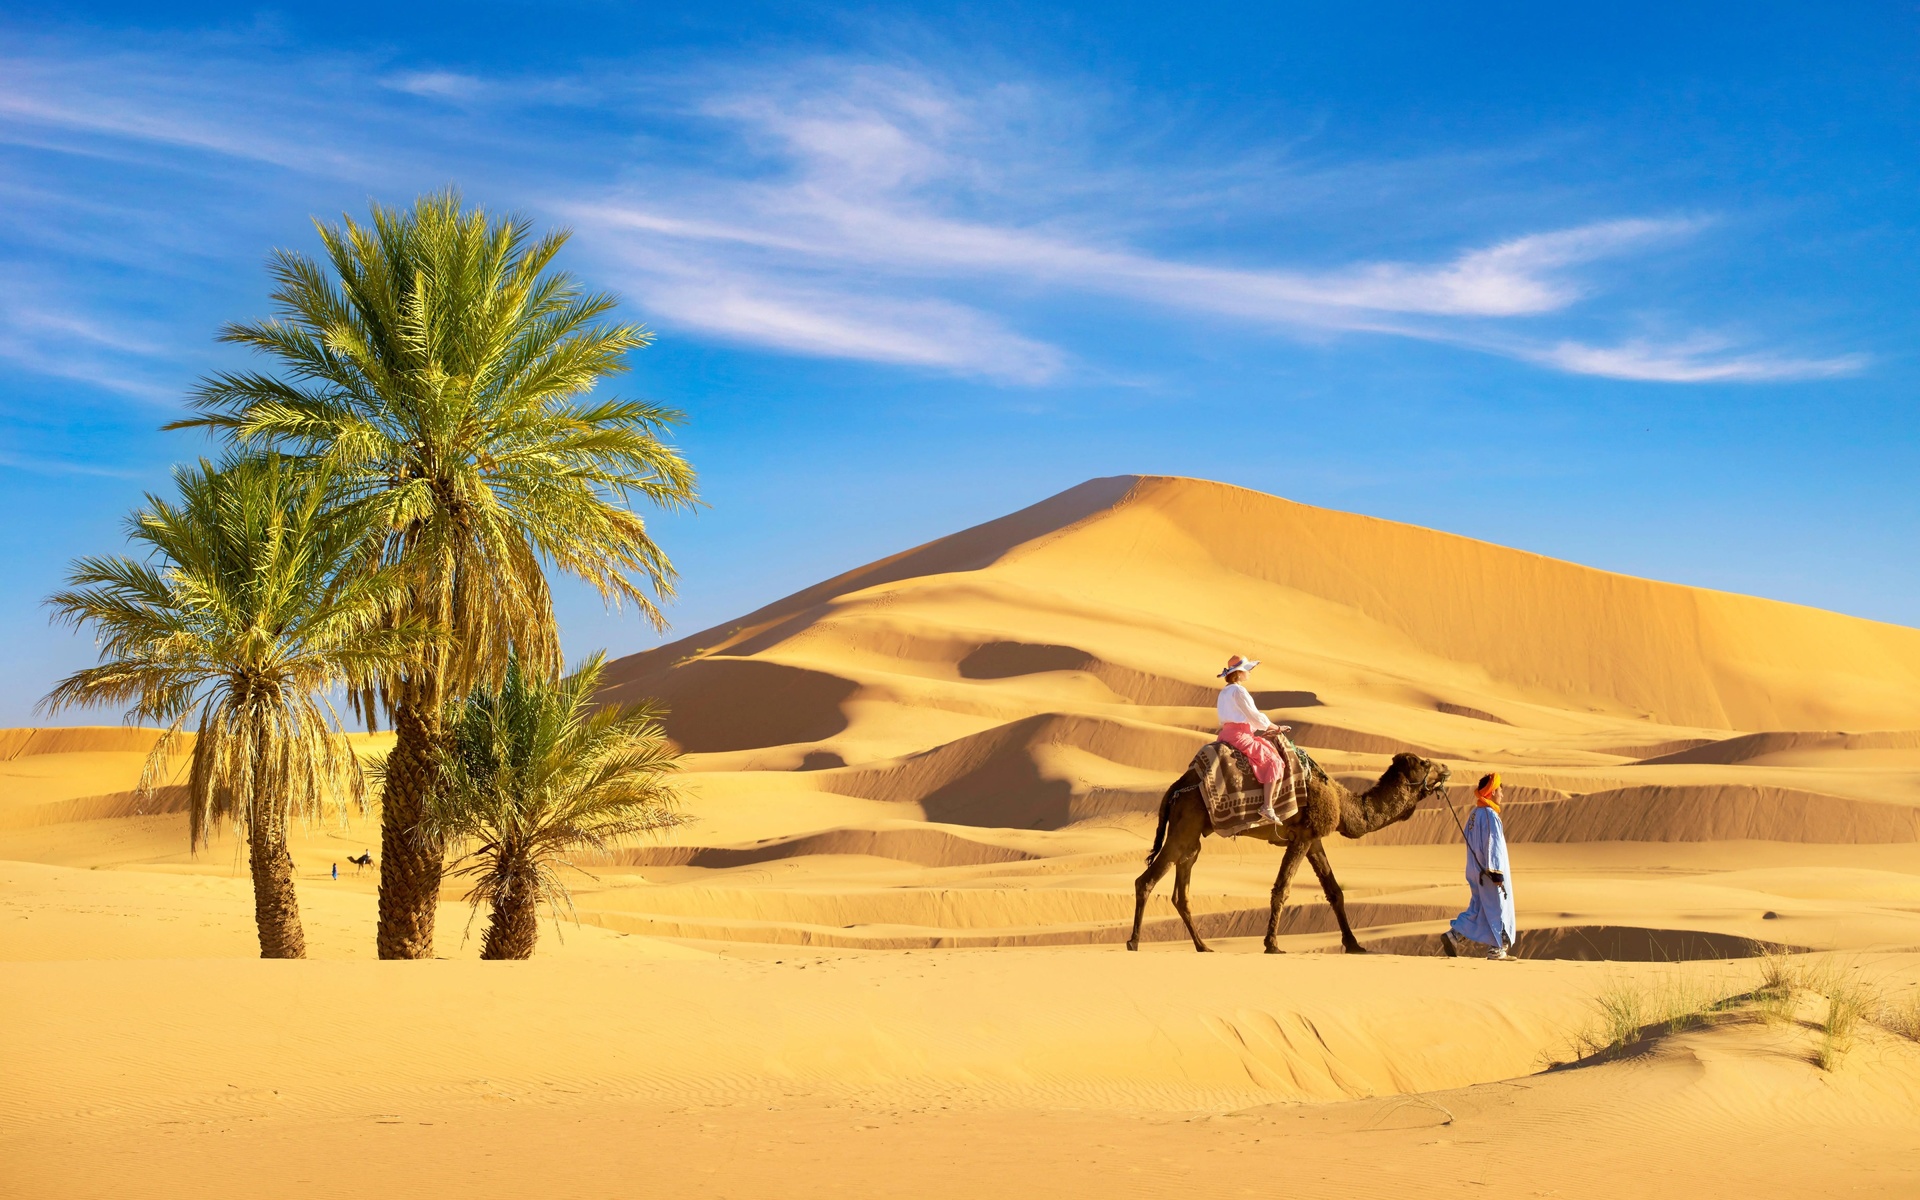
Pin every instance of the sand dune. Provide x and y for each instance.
(1134, 1083)
(884, 956)
(1702, 813)
(1252, 566)
(969, 674)
(77, 739)
(1033, 773)
(916, 843)
(1756, 746)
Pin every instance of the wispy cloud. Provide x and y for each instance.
(141, 109)
(1698, 360)
(918, 332)
(54, 339)
(874, 181)
(445, 85)
(44, 465)
(884, 211)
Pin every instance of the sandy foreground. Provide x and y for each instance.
(147, 1053)
(885, 959)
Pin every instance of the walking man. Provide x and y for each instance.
(1489, 916)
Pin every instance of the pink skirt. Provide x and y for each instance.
(1259, 751)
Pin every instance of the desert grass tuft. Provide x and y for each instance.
(1627, 1010)
(1780, 985)
(1848, 999)
(1901, 1017)
(1621, 1012)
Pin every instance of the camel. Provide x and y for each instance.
(1327, 806)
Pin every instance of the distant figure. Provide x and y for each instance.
(362, 862)
(1489, 916)
(336, 870)
(1240, 721)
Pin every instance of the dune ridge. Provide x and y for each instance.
(1672, 653)
(79, 739)
(1748, 747)
(1698, 813)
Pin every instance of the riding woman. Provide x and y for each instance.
(1240, 724)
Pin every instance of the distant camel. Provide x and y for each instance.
(1326, 806)
(362, 862)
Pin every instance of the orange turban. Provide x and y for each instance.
(1485, 792)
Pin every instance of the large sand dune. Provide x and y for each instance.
(885, 957)
(1142, 568)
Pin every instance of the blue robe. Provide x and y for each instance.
(1489, 917)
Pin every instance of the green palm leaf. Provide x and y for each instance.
(536, 773)
(441, 374)
(248, 608)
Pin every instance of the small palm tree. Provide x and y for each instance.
(442, 371)
(245, 613)
(534, 772)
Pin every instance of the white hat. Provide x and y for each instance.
(1236, 663)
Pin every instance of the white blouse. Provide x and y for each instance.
(1236, 704)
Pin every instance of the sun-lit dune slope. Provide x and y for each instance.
(93, 772)
(1056, 665)
(87, 772)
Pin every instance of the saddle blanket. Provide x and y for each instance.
(1233, 791)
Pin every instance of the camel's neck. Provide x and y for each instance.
(1379, 806)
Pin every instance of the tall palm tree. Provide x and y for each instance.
(441, 370)
(535, 771)
(241, 613)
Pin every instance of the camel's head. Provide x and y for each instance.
(1423, 778)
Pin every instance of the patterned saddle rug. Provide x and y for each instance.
(1233, 791)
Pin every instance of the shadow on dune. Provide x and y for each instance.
(720, 704)
(923, 847)
(1750, 746)
(1001, 777)
(1010, 660)
(1605, 943)
(1675, 813)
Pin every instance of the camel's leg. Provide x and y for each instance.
(1182, 872)
(1317, 855)
(1281, 883)
(1143, 887)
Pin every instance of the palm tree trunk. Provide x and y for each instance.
(410, 861)
(276, 910)
(514, 925)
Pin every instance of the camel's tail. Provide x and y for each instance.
(1166, 809)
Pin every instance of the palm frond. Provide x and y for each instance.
(444, 374)
(247, 609)
(537, 774)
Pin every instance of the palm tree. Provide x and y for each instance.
(441, 371)
(241, 613)
(533, 771)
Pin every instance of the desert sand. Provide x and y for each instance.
(885, 958)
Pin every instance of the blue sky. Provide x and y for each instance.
(1632, 286)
